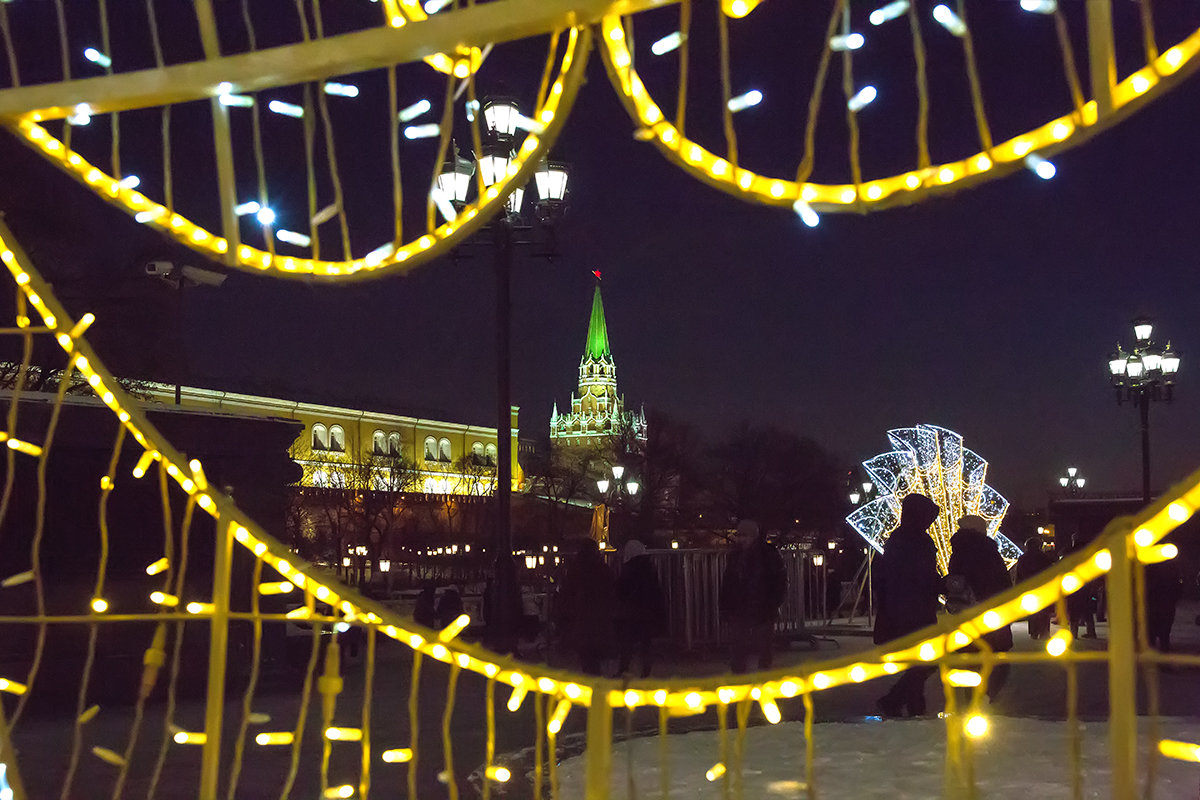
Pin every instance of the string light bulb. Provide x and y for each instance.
(862, 97)
(744, 101)
(888, 12)
(666, 44)
(850, 41)
(96, 57)
(1041, 167)
(949, 20)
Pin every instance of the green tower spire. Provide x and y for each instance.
(597, 336)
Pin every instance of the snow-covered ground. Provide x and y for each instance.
(1021, 758)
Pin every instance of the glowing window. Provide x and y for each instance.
(444, 450)
(320, 437)
(320, 478)
(477, 452)
(490, 455)
(393, 444)
(378, 443)
(337, 439)
(431, 449)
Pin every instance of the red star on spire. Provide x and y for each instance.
(596, 272)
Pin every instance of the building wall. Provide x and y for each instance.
(434, 445)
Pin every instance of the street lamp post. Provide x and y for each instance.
(501, 116)
(1072, 481)
(1145, 374)
(620, 490)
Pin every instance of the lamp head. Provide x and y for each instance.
(1142, 328)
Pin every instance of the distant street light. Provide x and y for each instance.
(1145, 374)
(1072, 481)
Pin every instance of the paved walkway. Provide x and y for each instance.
(1034, 690)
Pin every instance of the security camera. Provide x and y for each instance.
(207, 277)
(160, 268)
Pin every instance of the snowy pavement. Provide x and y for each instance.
(895, 759)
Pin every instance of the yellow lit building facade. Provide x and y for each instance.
(444, 457)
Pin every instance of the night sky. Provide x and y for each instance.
(991, 312)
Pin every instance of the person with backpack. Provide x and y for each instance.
(906, 586)
(975, 573)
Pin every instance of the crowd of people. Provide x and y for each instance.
(910, 590)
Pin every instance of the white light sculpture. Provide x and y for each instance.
(932, 461)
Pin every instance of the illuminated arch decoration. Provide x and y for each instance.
(212, 225)
(661, 121)
(932, 461)
(322, 599)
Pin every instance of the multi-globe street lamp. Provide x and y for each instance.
(1072, 481)
(501, 118)
(1145, 374)
(620, 491)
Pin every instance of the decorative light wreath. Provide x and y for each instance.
(807, 197)
(547, 121)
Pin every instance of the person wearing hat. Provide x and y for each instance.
(1033, 561)
(975, 557)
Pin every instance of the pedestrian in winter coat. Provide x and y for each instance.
(449, 606)
(1164, 586)
(975, 556)
(752, 590)
(586, 603)
(1081, 604)
(502, 612)
(425, 611)
(1033, 562)
(907, 585)
(641, 611)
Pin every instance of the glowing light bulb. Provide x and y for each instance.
(806, 213)
(1143, 538)
(1057, 645)
(130, 182)
(409, 113)
(1040, 166)
(949, 20)
(292, 237)
(715, 772)
(1103, 560)
(964, 677)
(434, 6)
(99, 605)
(499, 774)
(238, 100)
(744, 101)
(888, 12)
(422, 131)
(397, 756)
(1178, 512)
(286, 109)
(1039, 6)
(265, 216)
(665, 45)
(341, 89)
(851, 41)
(861, 98)
(96, 57)
(977, 726)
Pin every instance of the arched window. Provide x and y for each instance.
(337, 439)
(320, 437)
(393, 444)
(490, 458)
(444, 450)
(477, 452)
(378, 443)
(431, 452)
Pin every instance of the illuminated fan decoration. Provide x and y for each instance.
(931, 461)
